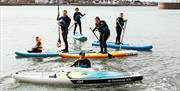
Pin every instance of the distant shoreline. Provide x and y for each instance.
(71, 5)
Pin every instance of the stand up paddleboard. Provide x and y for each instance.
(77, 77)
(48, 53)
(79, 37)
(125, 46)
(100, 55)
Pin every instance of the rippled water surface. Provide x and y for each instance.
(146, 25)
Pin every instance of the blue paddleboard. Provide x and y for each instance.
(125, 46)
(48, 53)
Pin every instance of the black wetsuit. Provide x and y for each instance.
(83, 63)
(64, 23)
(120, 21)
(77, 17)
(104, 35)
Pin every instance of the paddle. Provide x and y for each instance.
(123, 30)
(71, 26)
(59, 40)
(109, 55)
(75, 22)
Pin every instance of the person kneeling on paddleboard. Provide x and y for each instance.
(82, 62)
(103, 28)
(77, 18)
(119, 25)
(64, 21)
(38, 47)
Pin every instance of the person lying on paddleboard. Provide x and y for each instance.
(38, 47)
(82, 62)
(77, 18)
(103, 28)
(64, 21)
(119, 25)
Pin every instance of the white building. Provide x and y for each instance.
(106, 1)
(48, 1)
(41, 1)
(3, 0)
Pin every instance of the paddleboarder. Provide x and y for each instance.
(77, 19)
(64, 22)
(119, 25)
(104, 31)
(82, 61)
(38, 48)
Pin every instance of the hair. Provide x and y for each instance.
(37, 37)
(76, 8)
(97, 18)
(82, 53)
(121, 13)
(65, 11)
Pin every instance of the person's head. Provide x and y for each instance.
(82, 54)
(38, 39)
(121, 14)
(64, 12)
(97, 20)
(76, 9)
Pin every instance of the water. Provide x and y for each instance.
(146, 25)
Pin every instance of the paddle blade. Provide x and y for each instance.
(59, 43)
(110, 56)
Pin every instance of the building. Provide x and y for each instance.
(48, 1)
(41, 1)
(3, 1)
(169, 5)
(17, 1)
(25, 1)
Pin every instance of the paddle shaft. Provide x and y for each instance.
(59, 40)
(69, 27)
(72, 25)
(123, 30)
(58, 6)
(109, 55)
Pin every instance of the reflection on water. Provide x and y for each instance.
(77, 44)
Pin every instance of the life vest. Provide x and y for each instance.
(39, 47)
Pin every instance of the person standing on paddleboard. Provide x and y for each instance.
(77, 18)
(104, 31)
(82, 62)
(38, 48)
(119, 25)
(64, 22)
